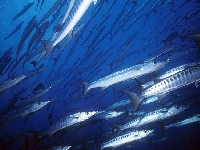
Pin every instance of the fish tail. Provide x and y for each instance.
(34, 63)
(4, 145)
(98, 145)
(27, 142)
(36, 137)
(115, 129)
(139, 84)
(85, 87)
(134, 99)
(163, 128)
(48, 46)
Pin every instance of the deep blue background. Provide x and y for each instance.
(151, 29)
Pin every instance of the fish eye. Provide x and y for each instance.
(155, 62)
(177, 106)
(38, 103)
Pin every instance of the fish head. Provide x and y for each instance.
(41, 104)
(154, 65)
(112, 114)
(159, 64)
(86, 115)
(144, 133)
(18, 79)
(176, 109)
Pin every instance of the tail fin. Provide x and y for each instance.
(4, 145)
(85, 87)
(162, 126)
(195, 37)
(36, 137)
(48, 47)
(115, 129)
(34, 63)
(98, 145)
(198, 43)
(27, 142)
(139, 84)
(134, 99)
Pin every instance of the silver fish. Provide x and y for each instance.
(166, 85)
(191, 119)
(119, 104)
(75, 16)
(172, 72)
(67, 121)
(125, 74)
(108, 114)
(23, 111)
(60, 148)
(10, 82)
(150, 117)
(126, 138)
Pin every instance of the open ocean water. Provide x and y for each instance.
(46, 62)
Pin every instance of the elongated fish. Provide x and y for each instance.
(25, 9)
(68, 26)
(166, 85)
(125, 74)
(23, 111)
(108, 114)
(172, 72)
(126, 138)
(10, 82)
(196, 38)
(68, 11)
(67, 121)
(60, 148)
(188, 120)
(38, 94)
(121, 103)
(150, 117)
(17, 28)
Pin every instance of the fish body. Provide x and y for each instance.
(178, 69)
(125, 74)
(17, 28)
(23, 111)
(74, 16)
(34, 96)
(67, 121)
(173, 82)
(108, 114)
(119, 104)
(60, 148)
(171, 72)
(126, 138)
(192, 119)
(10, 82)
(150, 100)
(25, 9)
(151, 117)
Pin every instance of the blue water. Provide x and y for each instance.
(115, 35)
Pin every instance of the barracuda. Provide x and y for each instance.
(126, 138)
(10, 82)
(172, 72)
(125, 74)
(191, 119)
(173, 82)
(74, 17)
(108, 114)
(67, 121)
(150, 117)
(23, 111)
(119, 104)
